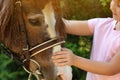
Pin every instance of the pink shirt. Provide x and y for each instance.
(106, 43)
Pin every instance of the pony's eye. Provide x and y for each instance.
(34, 22)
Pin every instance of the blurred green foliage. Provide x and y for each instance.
(80, 45)
(105, 2)
(10, 70)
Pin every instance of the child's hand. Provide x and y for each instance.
(64, 57)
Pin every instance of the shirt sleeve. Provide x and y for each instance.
(92, 23)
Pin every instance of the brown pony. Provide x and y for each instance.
(31, 30)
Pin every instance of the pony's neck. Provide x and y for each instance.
(50, 19)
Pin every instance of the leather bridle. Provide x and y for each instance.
(28, 52)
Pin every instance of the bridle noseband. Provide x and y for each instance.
(49, 43)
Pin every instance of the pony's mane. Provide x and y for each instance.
(10, 33)
(5, 14)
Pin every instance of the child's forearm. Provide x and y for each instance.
(103, 68)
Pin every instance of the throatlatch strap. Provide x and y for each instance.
(11, 54)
